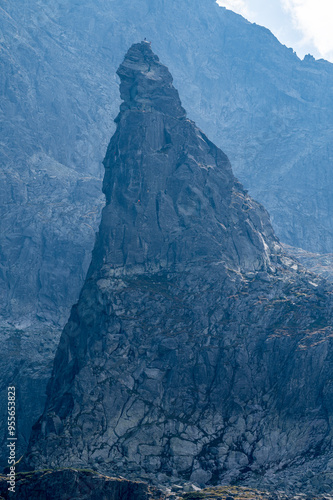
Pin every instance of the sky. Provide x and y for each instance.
(304, 25)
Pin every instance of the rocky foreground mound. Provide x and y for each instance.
(71, 484)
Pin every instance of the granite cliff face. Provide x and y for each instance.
(198, 349)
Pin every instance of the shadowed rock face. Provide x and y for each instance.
(198, 349)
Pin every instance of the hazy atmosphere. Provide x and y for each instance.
(305, 25)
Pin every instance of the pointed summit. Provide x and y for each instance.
(146, 84)
(171, 197)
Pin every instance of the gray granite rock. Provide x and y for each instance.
(199, 350)
(321, 264)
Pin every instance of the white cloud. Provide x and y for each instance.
(239, 6)
(314, 19)
(305, 25)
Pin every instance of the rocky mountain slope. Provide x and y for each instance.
(198, 351)
(321, 264)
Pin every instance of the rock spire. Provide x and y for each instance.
(198, 349)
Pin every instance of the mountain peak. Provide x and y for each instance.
(195, 338)
(171, 197)
(146, 84)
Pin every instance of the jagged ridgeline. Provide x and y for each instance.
(198, 349)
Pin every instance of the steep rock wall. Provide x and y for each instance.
(198, 349)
